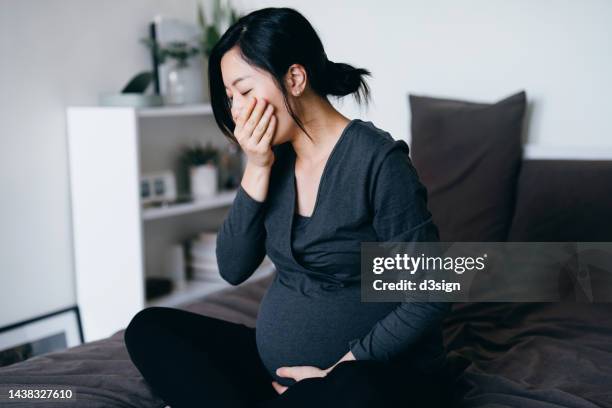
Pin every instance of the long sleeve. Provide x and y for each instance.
(400, 215)
(241, 239)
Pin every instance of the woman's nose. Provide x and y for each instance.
(236, 109)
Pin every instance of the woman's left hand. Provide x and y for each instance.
(299, 373)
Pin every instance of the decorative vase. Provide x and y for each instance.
(175, 84)
(204, 180)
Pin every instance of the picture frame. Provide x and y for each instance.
(51, 332)
(157, 187)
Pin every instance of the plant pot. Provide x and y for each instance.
(204, 181)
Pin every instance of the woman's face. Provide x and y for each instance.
(254, 83)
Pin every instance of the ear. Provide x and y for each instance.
(296, 79)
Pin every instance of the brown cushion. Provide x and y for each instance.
(468, 155)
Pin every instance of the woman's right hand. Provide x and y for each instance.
(254, 130)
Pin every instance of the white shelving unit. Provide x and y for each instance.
(223, 198)
(117, 243)
(201, 109)
(195, 290)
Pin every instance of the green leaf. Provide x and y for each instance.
(234, 16)
(201, 17)
(216, 11)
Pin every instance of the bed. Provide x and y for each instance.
(532, 355)
(501, 354)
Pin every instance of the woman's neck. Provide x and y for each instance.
(324, 125)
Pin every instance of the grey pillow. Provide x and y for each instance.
(468, 155)
(563, 201)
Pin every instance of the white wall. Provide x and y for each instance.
(63, 52)
(483, 50)
(54, 53)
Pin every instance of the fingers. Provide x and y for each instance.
(261, 127)
(299, 373)
(245, 113)
(267, 137)
(253, 120)
(279, 388)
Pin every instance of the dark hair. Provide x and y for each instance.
(273, 39)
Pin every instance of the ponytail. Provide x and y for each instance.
(343, 79)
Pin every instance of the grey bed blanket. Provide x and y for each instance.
(533, 355)
(502, 355)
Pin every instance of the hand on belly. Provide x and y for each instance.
(299, 373)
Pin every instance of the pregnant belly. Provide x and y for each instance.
(295, 329)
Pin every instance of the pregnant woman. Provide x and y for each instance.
(316, 184)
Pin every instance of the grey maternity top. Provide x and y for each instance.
(312, 313)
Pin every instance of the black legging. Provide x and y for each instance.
(191, 360)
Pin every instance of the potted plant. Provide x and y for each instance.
(222, 17)
(180, 52)
(202, 163)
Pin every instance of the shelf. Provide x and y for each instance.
(219, 200)
(180, 110)
(196, 290)
(135, 141)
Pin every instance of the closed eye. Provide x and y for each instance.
(246, 92)
(231, 98)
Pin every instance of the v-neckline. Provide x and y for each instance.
(293, 187)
